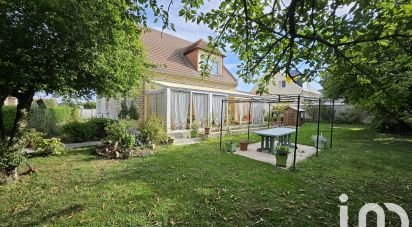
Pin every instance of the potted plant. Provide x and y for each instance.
(322, 141)
(281, 155)
(230, 146)
(195, 130)
(208, 126)
(243, 145)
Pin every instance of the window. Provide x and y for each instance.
(282, 83)
(214, 65)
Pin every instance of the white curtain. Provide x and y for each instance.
(258, 113)
(180, 107)
(217, 107)
(240, 111)
(200, 104)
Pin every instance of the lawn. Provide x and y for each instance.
(198, 185)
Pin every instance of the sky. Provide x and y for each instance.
(193, 32)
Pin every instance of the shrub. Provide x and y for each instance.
(99, 124)
(152, 130)
(34, 139)
(89, 105)
(63, 114)
(124, 111)
(93, 129)
(51, 146)
(79, 131)
(119, 134)
(9, 113)
(350, 117)
(133, 114)
(50, 102)
(388, 123)
(195, 130)
(42, 120)
(325, 112)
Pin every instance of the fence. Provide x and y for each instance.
(87, 113)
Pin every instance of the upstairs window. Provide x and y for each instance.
(214, 65)
(282, 83)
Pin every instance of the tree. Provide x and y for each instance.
(306, 36)
(385, 87)
(362, 48)
(67, 48)
(133, 113)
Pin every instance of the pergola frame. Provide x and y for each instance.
(278, 98)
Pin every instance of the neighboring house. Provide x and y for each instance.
(10, 101)
(177, 93)
(282, 87)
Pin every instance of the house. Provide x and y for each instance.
(282, 86)
(178, 94)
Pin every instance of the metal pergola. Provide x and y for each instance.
(276, 99)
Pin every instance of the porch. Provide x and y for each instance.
(183, 107)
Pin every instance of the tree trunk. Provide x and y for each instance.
(20, 122)
(22, 115)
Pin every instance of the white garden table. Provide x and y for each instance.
(268, 137)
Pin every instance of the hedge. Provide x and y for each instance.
(63, 114)
(43, 120)
(93, 129)
(9, 113)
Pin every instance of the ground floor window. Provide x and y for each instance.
(180, 102)
(200, 109)
(157, 104)
(217, 109)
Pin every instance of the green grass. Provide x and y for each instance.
(197, 185)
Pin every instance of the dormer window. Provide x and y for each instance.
(214, 65)
(197, 54)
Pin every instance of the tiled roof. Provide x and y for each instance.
(167, 52)
(201, 44)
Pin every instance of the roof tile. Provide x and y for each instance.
(168, 51)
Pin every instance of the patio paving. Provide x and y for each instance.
(302, 153)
